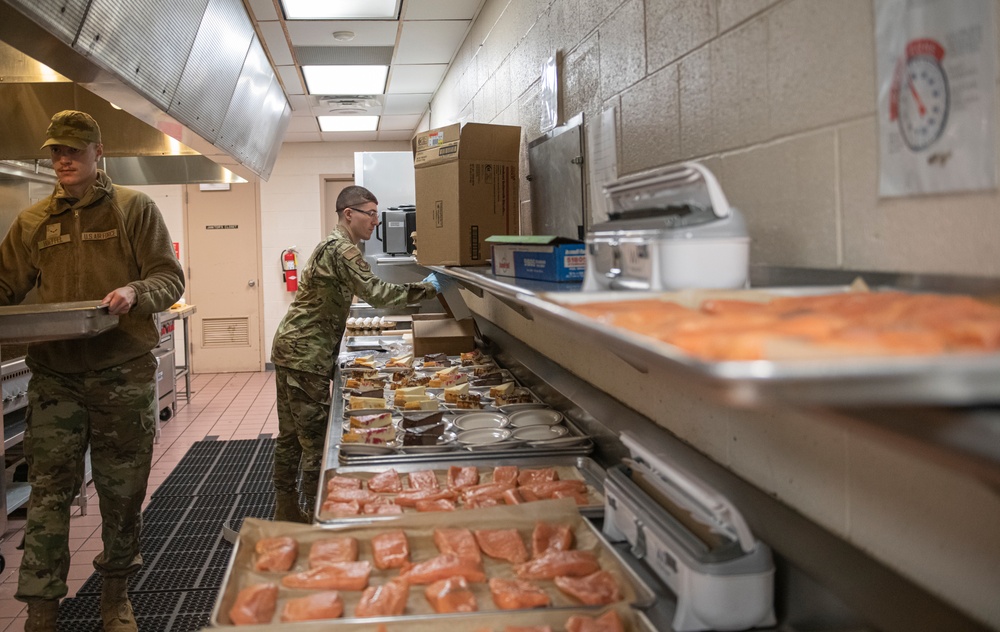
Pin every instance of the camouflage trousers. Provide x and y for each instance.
(113, 411)
(303, 413)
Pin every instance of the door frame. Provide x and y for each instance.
(323, 179)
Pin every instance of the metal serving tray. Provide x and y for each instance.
(633, 621)
(947, 379)
(419, 529)
(54, 321)
(568, 468)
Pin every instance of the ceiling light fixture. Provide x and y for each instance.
(345, 79)
(348, 123)
(342, 10)
(343, 36)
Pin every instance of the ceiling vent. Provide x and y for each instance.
(371, 104)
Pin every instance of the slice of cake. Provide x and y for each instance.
(370, 436)
(421, 404)
(409, 393)
(472, 357)
(518, 395)
(501, 390)
(378, 420)
(425, 435)
(401, 361)
(364, 362)
(447, 377)
(358, 403)
(415, 420)
(490, 379)
(436, 359)
(368, 392)
(469, 401)
(451, 393)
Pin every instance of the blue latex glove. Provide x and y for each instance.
(433, 280)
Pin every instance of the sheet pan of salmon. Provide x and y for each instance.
(541, 555)
(374, 493)
(842, 345)
(612, 618)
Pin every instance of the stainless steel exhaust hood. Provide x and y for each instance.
(191, 87)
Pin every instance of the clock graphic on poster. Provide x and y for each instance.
(922, 95)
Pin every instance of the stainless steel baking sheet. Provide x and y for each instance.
(54, 321)
(419, 530)
(568, 468)
(850, 381)
(633, 621)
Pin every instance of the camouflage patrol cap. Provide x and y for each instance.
(72, 128)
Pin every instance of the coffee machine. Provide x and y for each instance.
(396, 230)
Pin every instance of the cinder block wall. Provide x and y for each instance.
(777, 97)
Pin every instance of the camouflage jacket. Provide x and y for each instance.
(308, 338)
(80, 250)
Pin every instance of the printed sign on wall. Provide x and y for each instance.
(937, 96)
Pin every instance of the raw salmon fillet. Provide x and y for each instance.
(450, 595)
(382, 509)
(460, 477)
(387, 600)
(545, 489)
(578, 498)
(254, 604)
(502, 544)
(607, 622)
(461, 542)
(391, 549)
(330, 550)
(423, 479)
(559, 563)
(479, 503)
(537, 476)
(442, 567)
(550, 537)
(409, 499)
(342, 509)
(512, 497)
(476, 494)
(343, 482)
(344, 495)
(595, 589)
(333, 576)
(276, 554)
(505, 474)
(528, 628)
(386, 482)
(441, 504)
(324, 605)
(515, 594)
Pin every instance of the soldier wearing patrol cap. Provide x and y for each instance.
(89, 240)
(308, 340)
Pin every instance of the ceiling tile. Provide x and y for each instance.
(301, 137)
(432, 42)
(277, 43)
(408, 122)
(395, 135)
(303, 124)
(415, 79)
(290, 79)
(320, 33)
(441, 9)
(300, 104)
(263, 9)
(406, 103)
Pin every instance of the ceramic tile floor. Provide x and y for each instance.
(223, 405)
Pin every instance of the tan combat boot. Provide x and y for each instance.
(116, 609)
(286, 507)
(42, 616)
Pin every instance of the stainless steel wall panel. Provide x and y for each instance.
(62, 18)
(274, 120)
(213, 68)
(246, 107)
(145, 42)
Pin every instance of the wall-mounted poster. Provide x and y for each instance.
(936, 95)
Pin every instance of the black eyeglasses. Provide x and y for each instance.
(370, 214)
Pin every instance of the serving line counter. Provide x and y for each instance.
(880, 504)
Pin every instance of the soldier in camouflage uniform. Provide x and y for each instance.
(308, 340)
(89, 240)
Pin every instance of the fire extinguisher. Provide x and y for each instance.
(289, 267)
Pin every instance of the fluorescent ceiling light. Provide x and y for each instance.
(348, 123)
(345, 79)
(340, 10)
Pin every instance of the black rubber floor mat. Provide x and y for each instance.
(185, 557)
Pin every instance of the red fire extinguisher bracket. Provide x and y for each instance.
(289, 268)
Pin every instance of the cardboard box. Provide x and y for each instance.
(539, 257)
(466, 180)
(439, 333)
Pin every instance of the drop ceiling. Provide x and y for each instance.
(418, 45)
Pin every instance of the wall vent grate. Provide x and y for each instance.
(225, 332)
